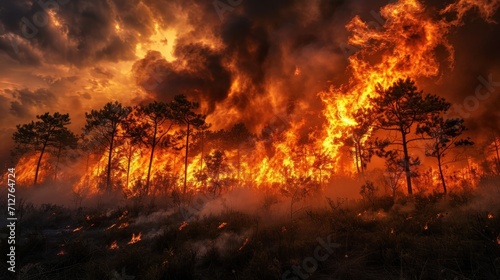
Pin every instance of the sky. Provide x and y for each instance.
(242, 60)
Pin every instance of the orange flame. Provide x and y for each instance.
(183, 225)
(244, 244)
(223, 224)
(135, 238)
(114, 245)
(77, 229)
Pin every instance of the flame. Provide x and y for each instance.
(110, 227)
(490, 216)
(405, 45)
(123, 225)
(244, 244)
(183, 225)
(135, 238)
(114, 245)
(223, 224)
(77, 229)
(61, 253)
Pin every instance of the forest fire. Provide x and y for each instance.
(240, 133)
(405, 45)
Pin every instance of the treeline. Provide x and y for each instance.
(399, 116)
(173, 126)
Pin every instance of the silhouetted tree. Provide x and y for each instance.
(238, 135)
(64, 139)
(104, 126)
(216, 166)
(399, 108)
(182, 110)
(40, 135)
(445, 135)
(358, 138)
(149, 125)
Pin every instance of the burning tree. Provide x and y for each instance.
(183, 114)
(398, 109)
(239, 135)
(149, 126)
(444, 135)
(104, 126)
(216, 169)
(358, 138)
(49, 131)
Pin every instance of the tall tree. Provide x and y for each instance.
(399, 108)
(65, 139)
(217, 166)
(184, 115)
(358, 138)
(149, 125)
(104, 126)
(238, 135)
(445, 135)
(42, 134)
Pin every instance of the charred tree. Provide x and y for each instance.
(42, 134)
(149, 126)
(184, 115)
(399, 109)
(445, 135)
(104, 126)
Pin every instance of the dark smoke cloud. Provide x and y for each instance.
(27, 101)
(259, 43)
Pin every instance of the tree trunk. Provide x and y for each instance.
(356, 150)
(110, 154)
(39, 161)
(407, 163)
(202, 148)
(153, 146)
(57, 162)
(186, 160)
(496, 145)
(441, 173)
(239, 164)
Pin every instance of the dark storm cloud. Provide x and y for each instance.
(26, 101)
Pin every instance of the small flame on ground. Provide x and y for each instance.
(392, 230)
(77, 229)
(61, 253)
(114, 245)
(426, 227)
(223, 224)
(110, 227)
(183, 225)
(88, 217)
(124, 214)
(135, 238)
(490, 216)
(123, 225)
(244, 243)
